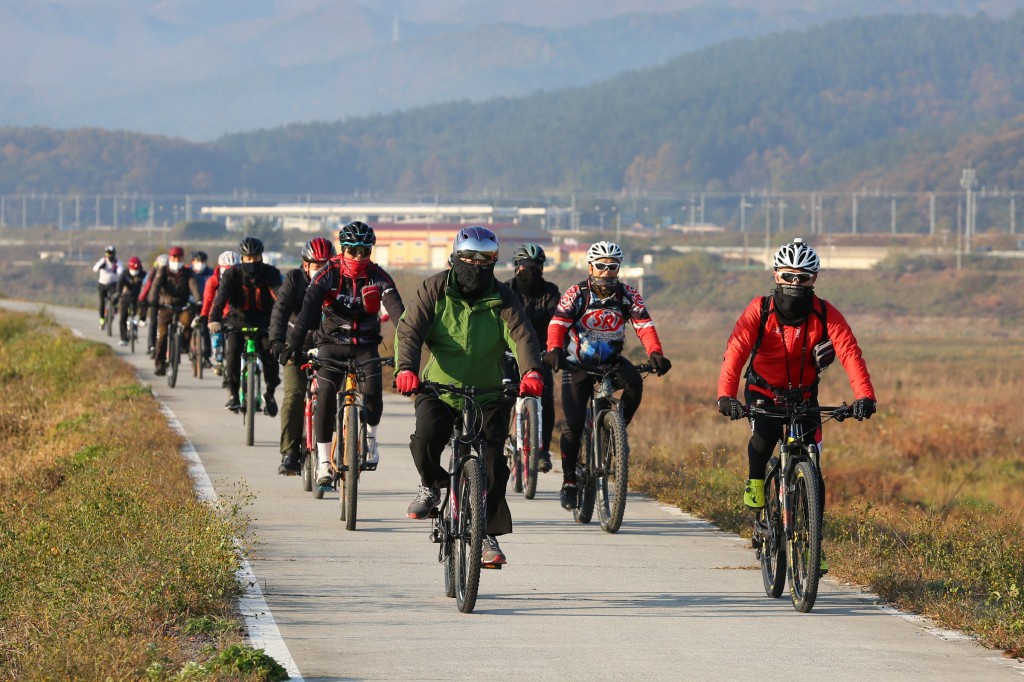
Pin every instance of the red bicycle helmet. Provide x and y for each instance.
(176, 252)
(318, 250)
(134, 263)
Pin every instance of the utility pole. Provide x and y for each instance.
(892, 220)
(744, 205)
(968, 182)
(931, 213)
(853, 215)
(1013, 213)
(782, 214)
(767, 234)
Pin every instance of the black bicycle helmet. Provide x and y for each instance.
(200, 256)
(532, 252)
(250, 246)
(356, 233)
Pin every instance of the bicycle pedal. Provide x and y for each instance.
(368, 467)
(433, 513)
(497, 567)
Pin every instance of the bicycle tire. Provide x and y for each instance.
(350, 491)
(133, 334)
(529, 459)
(308, 445)
(772, 554)
(108, 321)
(515, 463)
(250, 403)
(612, 479)
(448, 552)
(174, 356)
(585, 492)
(469, 535)
(196, 345)
(805, 547)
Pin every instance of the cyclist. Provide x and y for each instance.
(342, 303)
(173, 284)
(145, 311)
(203, 273)
(109, 270)
(539, 298)
(250, 288)
(224, 261)
(593, 315)
(788, 337)
(467, 320)
(315, 254)
(129, 286)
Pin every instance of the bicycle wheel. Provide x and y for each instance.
(515, 463)
(585, 488)
(447, 550)
(772, 553)
(109, 319)
(174, 356)
(251, 396)
(195, 353)
(350, 491)
(805, 547)
(612, 471)
(133, 334)
(308, 445)
(531, 447)
(469, 535)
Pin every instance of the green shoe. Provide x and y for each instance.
(753, 493)
(823, 565)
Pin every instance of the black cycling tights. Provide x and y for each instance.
(327, 389)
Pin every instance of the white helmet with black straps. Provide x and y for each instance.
(604, 249)
(797, 255)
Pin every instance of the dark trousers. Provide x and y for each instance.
(127, 308)
(152, 326)
(234, 344)
(329, 381)
(163, 320)
(105, 291)
(576, 390)
(434, 423)
(292, 408)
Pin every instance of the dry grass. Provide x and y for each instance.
(106, 554)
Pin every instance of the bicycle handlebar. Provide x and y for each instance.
(508, 389)
(602, 371)
(346, 365)
(791, 410)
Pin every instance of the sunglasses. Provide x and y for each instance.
(478, 256)
(794, 277)
(610, 267)
(357, 250)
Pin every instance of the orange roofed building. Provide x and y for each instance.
(427, 246)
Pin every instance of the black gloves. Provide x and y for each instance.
(282, 352)
(863, 408)
(660, 364)
(730, 407)
(554, 359)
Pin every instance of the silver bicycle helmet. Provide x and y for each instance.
(604, 250)
(797, 255)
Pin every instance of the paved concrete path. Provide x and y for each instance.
(668, 597)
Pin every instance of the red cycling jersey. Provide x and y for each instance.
(785, 358)
(209, 292)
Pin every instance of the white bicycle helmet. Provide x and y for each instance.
(797, 255)
(604, 250)
(228, 258)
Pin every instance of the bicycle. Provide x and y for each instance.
(176, 331)
(132, 326)
(602, 472)
(458, 526)
(110, 309)
(307, 447)
(250, 397)
(523, 445)
(348, 447)
(790, 523)
(197, 350)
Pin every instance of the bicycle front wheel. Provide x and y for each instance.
(531, 447)
(196, 353)
(585, 485)
(805, 547)
(772, 553)
(133, 334)
(251, 396)
(469, 535)
(174, 356)
(351, 429)
(308, 445)
(612, 471)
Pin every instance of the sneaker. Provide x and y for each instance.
(103, 323)
(568, 495)
(753, 493)
(289, 465)
(161, 370)
(426, 500)
(207, 364)
(372, 455)
(233, 404)
(122, 343)
(492, 554)
(544, 462)
(218, 369)
(324, 477)
(269, 405)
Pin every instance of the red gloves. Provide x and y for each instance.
(371, 298)
(532, 384)
(407, 382)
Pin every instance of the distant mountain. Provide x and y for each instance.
(199, 69)
(831, 107)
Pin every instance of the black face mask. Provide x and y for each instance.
(793, 303)
(473, 281)
(529, 280)
(250, 268)
(603, 286)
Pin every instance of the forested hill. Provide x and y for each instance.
(825, 107)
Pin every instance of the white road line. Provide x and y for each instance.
(259, 621)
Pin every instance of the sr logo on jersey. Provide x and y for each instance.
(602, 320)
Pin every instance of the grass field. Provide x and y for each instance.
(111, 567)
